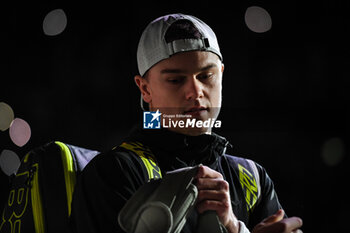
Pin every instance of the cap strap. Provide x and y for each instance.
(187, 45)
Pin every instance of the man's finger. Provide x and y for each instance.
(213, 195)
(212, 184)
(218, 206)
(292, 223)
(206, 172)
(278, 216)
(285, 225)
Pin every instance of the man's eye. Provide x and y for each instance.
(205, 76)
(174, 80)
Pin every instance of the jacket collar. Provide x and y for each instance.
(178, 150)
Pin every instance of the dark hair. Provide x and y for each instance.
(181, 29)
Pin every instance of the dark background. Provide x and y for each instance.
(284, 91)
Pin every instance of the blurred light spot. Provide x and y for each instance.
(20, 132)
(54, 22)
(258, 19)
(9, 162)
(6, 116)
(333, 151)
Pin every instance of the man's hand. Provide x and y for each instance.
(276, 224)
(214, 194)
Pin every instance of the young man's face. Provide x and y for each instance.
(187, 83)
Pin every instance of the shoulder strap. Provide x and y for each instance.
(68, 171)
(53, 186)
(146, 156)
(74, 159)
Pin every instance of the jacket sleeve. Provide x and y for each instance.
(268, 203)
(102, 189)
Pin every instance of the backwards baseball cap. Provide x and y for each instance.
(153, 46)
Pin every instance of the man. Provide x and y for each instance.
(181, 71)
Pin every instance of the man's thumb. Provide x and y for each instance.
(278, 216)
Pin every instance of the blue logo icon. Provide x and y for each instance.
(151, 120)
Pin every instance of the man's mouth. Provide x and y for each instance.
(196, 111)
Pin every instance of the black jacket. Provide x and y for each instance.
(111, 178)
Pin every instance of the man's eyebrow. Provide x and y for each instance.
(209, 66)
(172, 71)
(178, 71)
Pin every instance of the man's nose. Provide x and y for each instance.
(194, 89)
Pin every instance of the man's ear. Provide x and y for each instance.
(143, 85)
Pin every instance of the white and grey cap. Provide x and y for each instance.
(153, 47)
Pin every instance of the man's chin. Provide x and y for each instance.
(192, 131)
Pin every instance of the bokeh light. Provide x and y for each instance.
(9, 162)
(258, 19)
(54, 22)
(333, 151)
(6, 116)
(20, 132)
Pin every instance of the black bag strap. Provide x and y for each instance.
(147, 157)
(53, 188)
